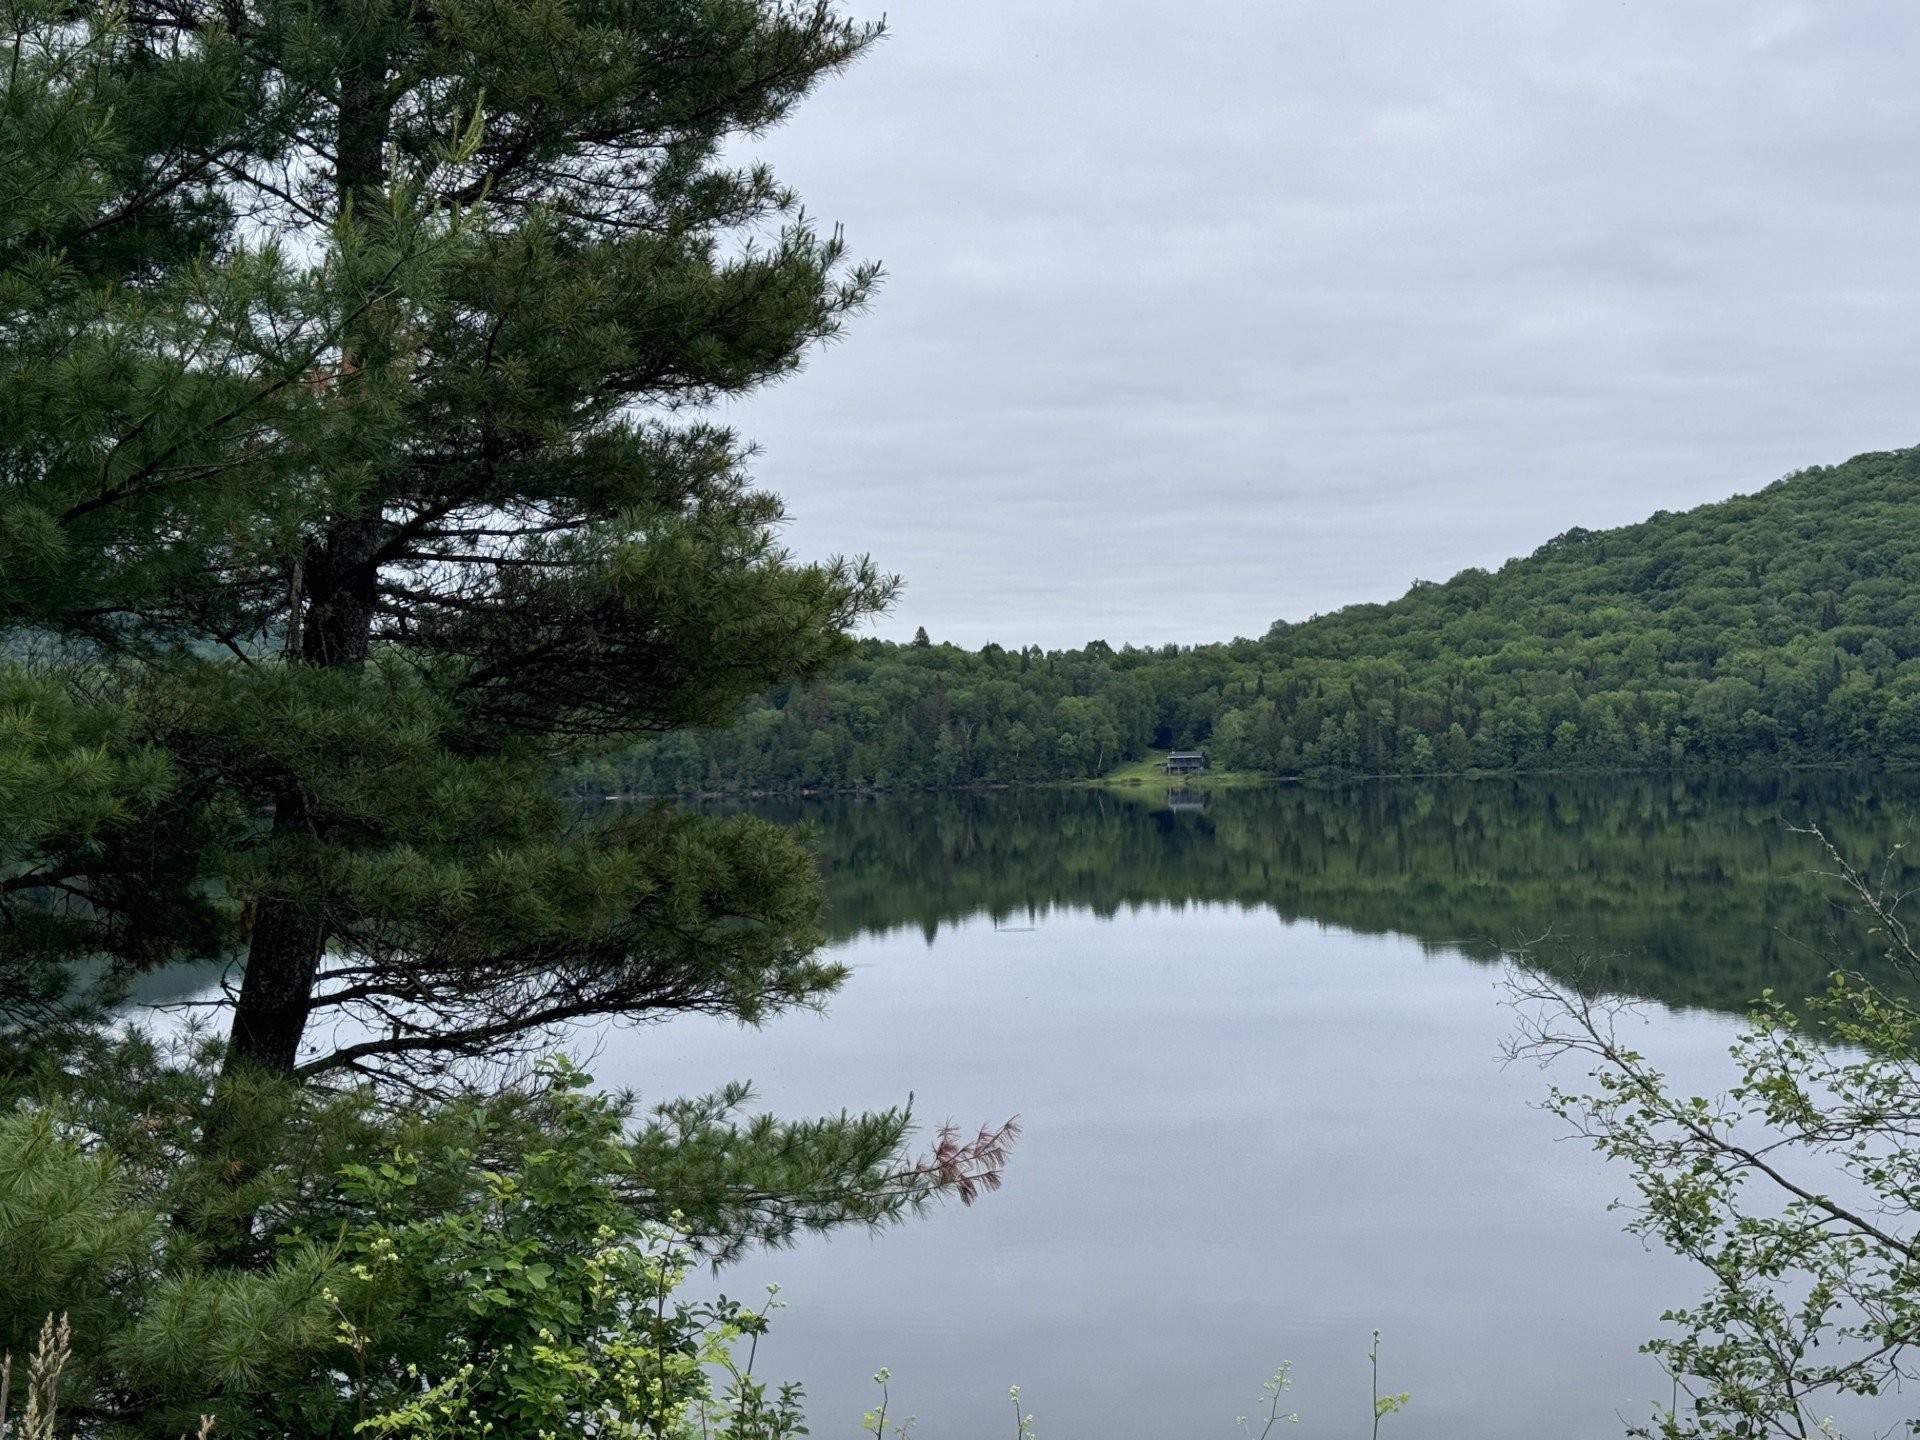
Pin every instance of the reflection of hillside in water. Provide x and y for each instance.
(1693, 892)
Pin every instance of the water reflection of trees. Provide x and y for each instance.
(1690, 892)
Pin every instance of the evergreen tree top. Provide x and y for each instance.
(355, 475)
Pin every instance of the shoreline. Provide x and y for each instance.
(1120, 780)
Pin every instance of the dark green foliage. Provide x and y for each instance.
(352, 487)
(1776, 628)
(511, 1262)
(348, 493)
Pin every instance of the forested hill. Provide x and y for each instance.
(1779, 627)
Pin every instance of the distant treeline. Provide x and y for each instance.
(1775, 628)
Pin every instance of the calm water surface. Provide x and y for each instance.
(1255, 1051)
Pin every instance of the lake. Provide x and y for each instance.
(1255, 1047)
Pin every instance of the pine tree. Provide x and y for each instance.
(354, 481)
(355, 484)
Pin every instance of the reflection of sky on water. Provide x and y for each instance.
(1245, 1141)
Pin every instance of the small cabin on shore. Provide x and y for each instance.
(1185, 762)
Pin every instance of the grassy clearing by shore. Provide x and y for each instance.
(1150, 770)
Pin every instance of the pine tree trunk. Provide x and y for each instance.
(289, 935)
(335, 631)
(283, 959)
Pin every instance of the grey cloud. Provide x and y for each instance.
(1197, 319)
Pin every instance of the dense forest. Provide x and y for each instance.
(1778, 627)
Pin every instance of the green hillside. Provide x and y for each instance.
(1776, 628)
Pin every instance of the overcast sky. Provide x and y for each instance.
(1206, 314)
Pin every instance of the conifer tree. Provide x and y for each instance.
(355, 480)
